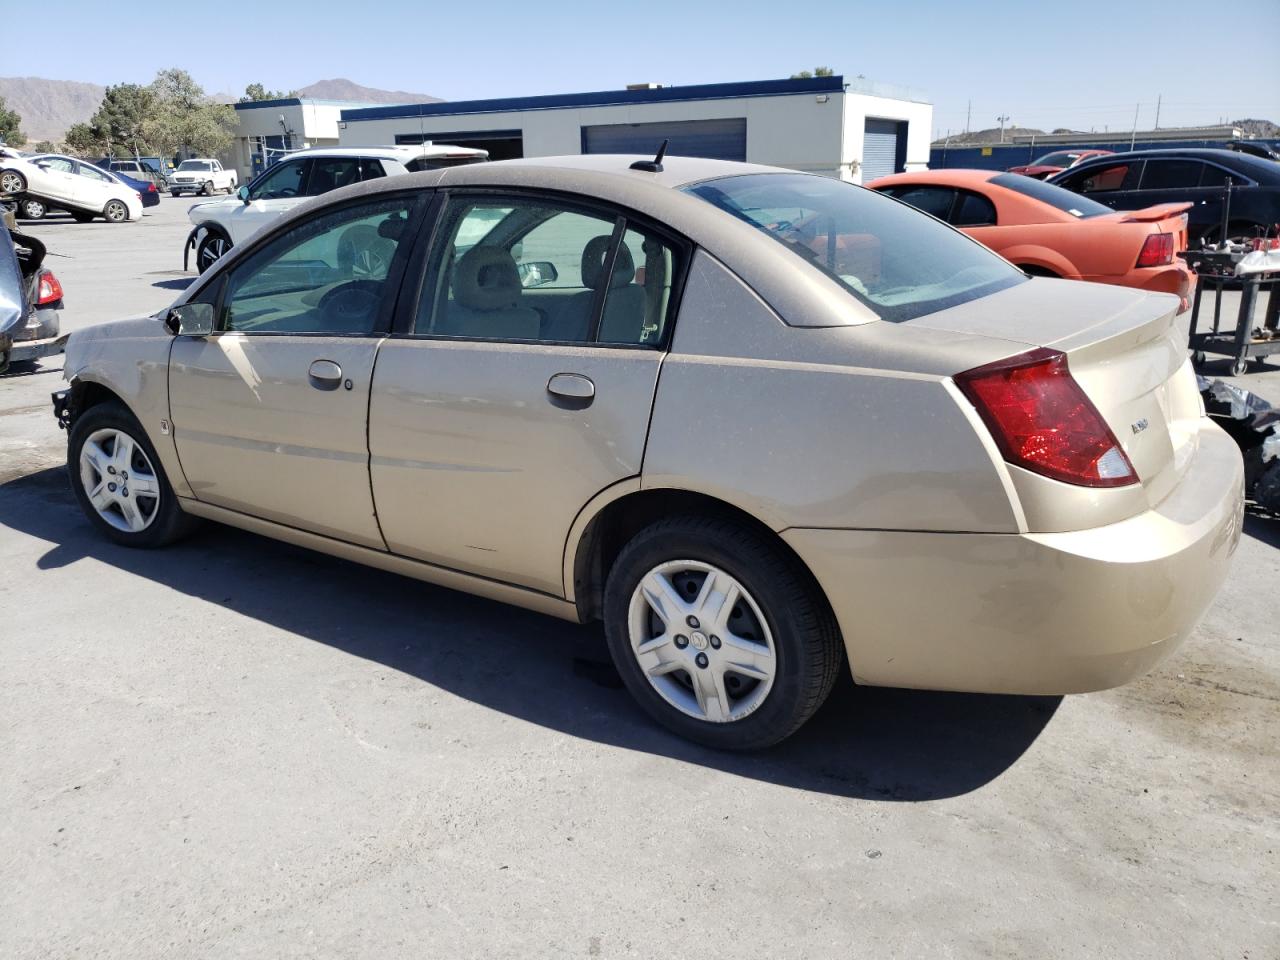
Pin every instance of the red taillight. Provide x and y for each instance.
(50, 289)
(151, 188)
(1157, 251)
(1042, 420)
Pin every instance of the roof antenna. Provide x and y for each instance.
(654, 165)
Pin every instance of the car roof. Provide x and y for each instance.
(1257, 167)
(949, 176)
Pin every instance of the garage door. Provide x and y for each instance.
(724, 139)
(880, 148)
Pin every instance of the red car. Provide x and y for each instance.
(1052, 232)
(1052, 163)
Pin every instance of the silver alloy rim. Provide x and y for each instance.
(119, 480)
(11, 183)
(116, 212)
(34, 209)
(212, 252)
(702, 641)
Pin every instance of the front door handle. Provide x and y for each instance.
(571, 390)
(325, 375)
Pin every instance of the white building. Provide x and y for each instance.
(266, 129)
(856, 130)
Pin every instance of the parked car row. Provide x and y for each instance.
(51, 181)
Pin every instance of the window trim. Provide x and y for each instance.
(410, 297)
(417, 204)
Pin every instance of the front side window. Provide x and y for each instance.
(542, 271)
(899, 264)
(60, 164)
(280, 182)
(326, 276)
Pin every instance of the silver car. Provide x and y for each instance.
(759, 422)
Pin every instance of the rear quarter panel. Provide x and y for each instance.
(818, 428)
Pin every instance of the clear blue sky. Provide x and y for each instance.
(1078, 63)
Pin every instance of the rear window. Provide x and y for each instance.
(1055, 160)
(1054, 196)
(898, 262)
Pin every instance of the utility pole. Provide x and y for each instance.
(1159, 96)
(968, 111)
(1134, 136)
(1002, 118)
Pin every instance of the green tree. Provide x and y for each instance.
(184, 119)
(256, 91)
(119, 126)
(815, 72)
(10, 126)
(80, 139)
(45, 146)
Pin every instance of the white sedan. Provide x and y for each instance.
(65, 183)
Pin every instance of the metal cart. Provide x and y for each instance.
(1215, 270)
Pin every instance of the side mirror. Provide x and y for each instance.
(537, 272)
(190, 320)
(243, 193)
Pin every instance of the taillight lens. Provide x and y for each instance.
(1157, 251)
(1042, 420)
(50, 289)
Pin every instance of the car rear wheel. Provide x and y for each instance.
(719, 635)
(12, 182)
(82, 216)
(115, 211)
(119, 481)
(212, 248)
(33, 209)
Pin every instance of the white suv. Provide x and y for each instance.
(220, 224)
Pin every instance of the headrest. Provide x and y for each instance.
(486, 278)
(624, 268)
(392, 228)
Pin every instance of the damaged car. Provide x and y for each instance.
(766, 426)
(30, 298)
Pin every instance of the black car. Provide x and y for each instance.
(1143, 178)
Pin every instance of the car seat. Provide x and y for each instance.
(486, 299)
(624, 301)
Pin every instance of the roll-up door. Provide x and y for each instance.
(881, 148)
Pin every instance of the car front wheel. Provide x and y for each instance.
(719, 634)
(119, 481)
(211, 249)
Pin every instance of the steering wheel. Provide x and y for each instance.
(351, 306)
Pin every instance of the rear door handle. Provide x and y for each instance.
(571, 390)
(325, 375)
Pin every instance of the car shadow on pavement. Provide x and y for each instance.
(865, 743)
(180, 283)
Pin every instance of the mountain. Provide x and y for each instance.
(49, 107)
(343, 89)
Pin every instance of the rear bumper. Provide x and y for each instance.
(1034, 613)
(35, 349)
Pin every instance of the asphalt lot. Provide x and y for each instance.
(239, 748)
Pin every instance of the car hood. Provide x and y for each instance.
(200, 212)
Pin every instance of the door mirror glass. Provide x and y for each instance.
(537, 272)
(243, 193)
(190, 320)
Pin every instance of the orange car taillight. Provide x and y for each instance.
(1041, 420)
(50, 289)
(1157, 251)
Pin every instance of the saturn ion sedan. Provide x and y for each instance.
(758, 422)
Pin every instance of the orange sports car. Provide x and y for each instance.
(1052, 232)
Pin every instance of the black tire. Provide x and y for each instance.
(82, 216)
(174, 193)
(206, 189)
(12, 182)
(808, 649)
(32, 209)
(207, 252)
(168, 523)
(1198, 358)
(1032, 270)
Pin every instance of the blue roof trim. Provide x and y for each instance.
(601, 98)
(297, 102)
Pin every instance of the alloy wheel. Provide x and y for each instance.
(211, 251)
(702, 641)
(119, 480)
(11, 182)
(116, 212)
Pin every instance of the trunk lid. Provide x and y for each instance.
(1124, 350)
(1167, 217)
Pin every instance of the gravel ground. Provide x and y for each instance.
(238, 748)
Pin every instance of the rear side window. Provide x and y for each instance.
(1105, 179)
(935, 201)
(331, 173)
(1171, 174)
(439, 163)
(899, 264)
(1049, 193)
(973, 210)
(371, 169)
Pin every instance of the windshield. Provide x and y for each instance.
(195, 165)
(898, 261)
(1057, 197)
